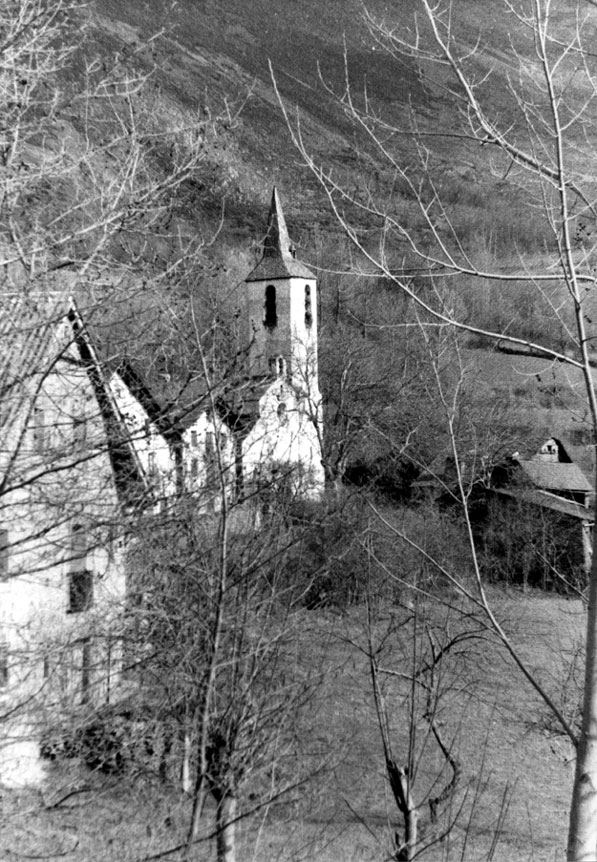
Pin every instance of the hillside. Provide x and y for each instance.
(214, 54)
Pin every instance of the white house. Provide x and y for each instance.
(68, 476)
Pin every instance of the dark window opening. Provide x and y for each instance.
(80, 591)
(308, 312)
(85, 669)
(80, 579)
(281, 367)
(271, 313)
(282, 413)
(3, 665)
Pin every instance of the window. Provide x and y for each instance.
(281, 367)
(85, 668)
(194, 468)
(80, 579)
(39, 429)
(151, 468)
(271, 314)
(308, 312)
(3, 665)
(193, 438)
(79, 433)
(210, 459)
(4, 553)
(80, 592)
(282, 413)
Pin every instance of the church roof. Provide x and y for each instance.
(278, 260)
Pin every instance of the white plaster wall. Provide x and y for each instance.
(49, 488)
(145, 437)
(205, 466)
(286, 439)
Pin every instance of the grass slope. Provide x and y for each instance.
(512, 802)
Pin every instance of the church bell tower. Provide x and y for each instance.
(282, 311)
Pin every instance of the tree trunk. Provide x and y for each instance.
(582, 837)
(186, 780)
(226, 826)
(400, 784)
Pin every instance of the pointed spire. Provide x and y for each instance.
(277, 242)
(278, 259)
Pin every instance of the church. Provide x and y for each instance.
(264, 431)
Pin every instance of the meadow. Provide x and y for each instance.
(511, 801)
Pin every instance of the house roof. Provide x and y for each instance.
(278, 259)
(37, 333)
(555, 475)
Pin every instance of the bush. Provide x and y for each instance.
(118, 738)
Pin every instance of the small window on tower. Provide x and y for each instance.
(281, 367)
(271, 314)
(308, 312)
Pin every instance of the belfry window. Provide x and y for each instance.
(277, 366)
(271, 313)
(308, 312)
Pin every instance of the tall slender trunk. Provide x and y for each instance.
(186, 779)
(582, 838)
(226, 826)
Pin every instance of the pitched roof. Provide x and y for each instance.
(37, 333)
(555, 475)
(28, 325)
(278, 259)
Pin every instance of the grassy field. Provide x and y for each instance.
(511, 802)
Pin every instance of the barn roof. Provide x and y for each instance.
(555, 475)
